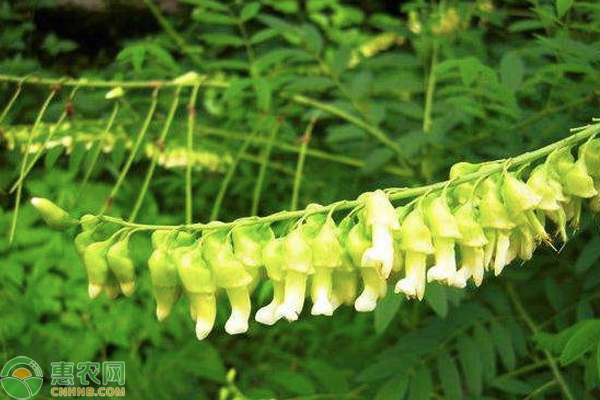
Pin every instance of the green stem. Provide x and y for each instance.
(99, 83)
(168, 28)
(300, 166)
(427, 120)
(372, 130)
(11, 102)
(263, 168)
(134, 151)
(394, 194)
(337, 158)
(541, 390)
(38, 119)
(535, 330)
(225, 182)
(161, 141)
(51, 131)
(190, 148)
(98, 149)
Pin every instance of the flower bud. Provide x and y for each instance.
(231, 275)
(199, 285)
(590, 152)
(414, 234)
(53, 215)
(298, 265)
(471, 233)
(375, 287)
(94, 259)
(549, 189)
(472, 266)
(248, 242)
(326, 256)
(344, 287)
(121, 265)
(577, 181)
(413, 284)
(380, 220)
(165, 281)
(493, 213)
(416, 242)
(444, 231)
(517, 196)
(273, 259)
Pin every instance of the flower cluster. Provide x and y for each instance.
(451, 236)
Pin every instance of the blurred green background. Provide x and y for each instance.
(400, 91)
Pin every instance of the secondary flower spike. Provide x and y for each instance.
(381, 220)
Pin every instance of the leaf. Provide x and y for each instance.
(562, 6)
(487, 353)
(293, 382)
(249, 10)
(212, 17)
(341, 59)
(222, 39)
(469, 69)
(263, 93)
(588, 256)
(512, 386)
(503, 343)
(210, 4)
(421, 386)
(512, 70)
(312, 38)
(437, 298)
(386, 311)
(582, 341)
(263, 35)
(393, 389)
(449, 377)
(471, 364)
(309, 84)
(377, 159)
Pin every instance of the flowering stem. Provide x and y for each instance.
(40, 115)
(300, 165)
(394, 194)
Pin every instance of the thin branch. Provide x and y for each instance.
(428, 111)
(172, 32)
(263, 168)
(225, 182)
(323, 155)
(98, 149)
(38, 119)
(152, 166)
(11, 102)
(190, 149)
(134, 151)
(372, 130)
(48, 138)
(300, 166)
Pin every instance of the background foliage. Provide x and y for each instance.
(397, 92)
